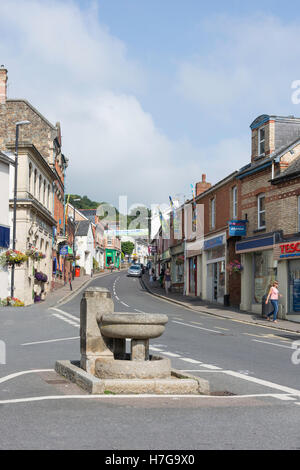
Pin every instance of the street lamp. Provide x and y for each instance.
(18, 124)
(73, 270)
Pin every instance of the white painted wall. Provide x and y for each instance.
(4, 221)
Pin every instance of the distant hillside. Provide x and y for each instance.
(85, 203)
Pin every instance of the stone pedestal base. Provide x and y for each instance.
(159, 368)
(176, 384)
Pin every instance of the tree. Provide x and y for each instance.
(127, 248)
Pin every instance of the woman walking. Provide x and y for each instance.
(167, 280)
(273, 296)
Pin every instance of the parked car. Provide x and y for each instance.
(134, 270)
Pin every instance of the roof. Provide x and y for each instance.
(33, 109)
(292, 171)
(82, 228)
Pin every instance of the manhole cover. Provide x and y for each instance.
(224, 393)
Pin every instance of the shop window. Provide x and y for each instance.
(264, 273)
(261, 211)
(298, 213)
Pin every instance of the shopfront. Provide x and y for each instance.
(215, 266)
(259, 270)
(177, 267)
(287, 255)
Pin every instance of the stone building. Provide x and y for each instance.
(40, 192)
(270, 190)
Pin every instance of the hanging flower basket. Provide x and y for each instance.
(34, 254)
(234, 267)
(12, 302)
(13, 257)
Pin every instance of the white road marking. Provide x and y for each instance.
(273, 344)
(284, 397)
(155, 349)
(171, 354)
(193, 326)
(51, 340)
(201, 370)
(61, 317)
(192, 361)
(134, 397)
(66, 314)
(123, 303)
(209, 366)
(265, 383)
(23, 372)
(139, 311)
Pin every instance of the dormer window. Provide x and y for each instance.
(261, 141)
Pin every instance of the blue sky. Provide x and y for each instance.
(151, 94)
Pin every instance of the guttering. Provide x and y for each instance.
(254, 170)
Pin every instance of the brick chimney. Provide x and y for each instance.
(3, 84)
(202, 186)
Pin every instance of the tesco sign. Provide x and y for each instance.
(290, 249)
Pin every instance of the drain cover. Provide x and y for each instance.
(224, 393)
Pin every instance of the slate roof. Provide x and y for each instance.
(292, 171)
(82, 228)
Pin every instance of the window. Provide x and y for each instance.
(35, 179)
(40, 186)
(29, 178)
(234, 203)
(44, 192)
(261, 141)
(213, 212)
(261, 211)
(298, 213)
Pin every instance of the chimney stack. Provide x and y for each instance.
(3, 85)
(202, 185)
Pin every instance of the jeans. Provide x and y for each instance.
(275, 309)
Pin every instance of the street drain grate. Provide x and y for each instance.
(224, 393)
(56, 382)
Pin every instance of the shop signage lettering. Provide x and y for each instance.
(237, 228)
(290, 248)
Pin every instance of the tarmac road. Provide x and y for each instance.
(249, 367)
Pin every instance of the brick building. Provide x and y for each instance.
(209, 252)
(269, 201)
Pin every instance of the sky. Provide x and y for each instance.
(151, 94)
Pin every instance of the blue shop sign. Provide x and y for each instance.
(237, 228)
(213, 242)
(63, 250)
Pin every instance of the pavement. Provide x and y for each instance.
(201, 306)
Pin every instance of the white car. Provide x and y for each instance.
(135, 270)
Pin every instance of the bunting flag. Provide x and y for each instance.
(175, 218)
(164, 224)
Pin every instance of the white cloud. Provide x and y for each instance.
(74, 70)
(249, 67)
